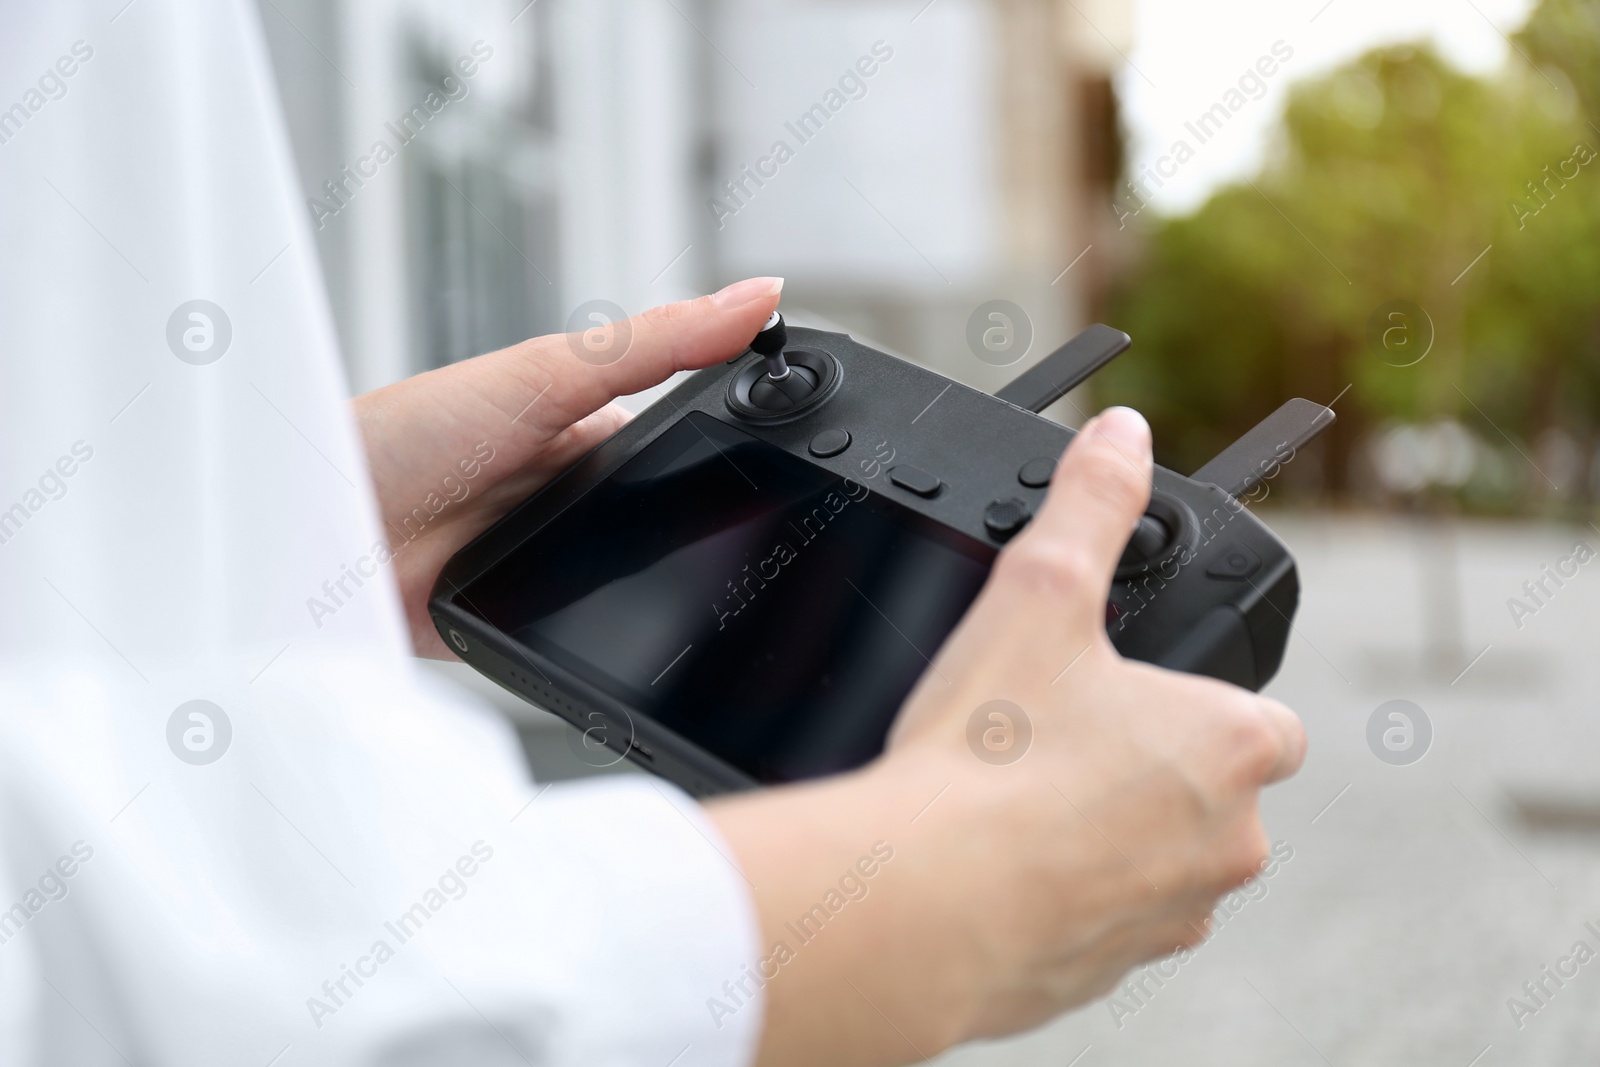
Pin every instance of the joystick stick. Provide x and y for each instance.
(1150, 538)
(783, 386)
(768, 344)
(786, 382)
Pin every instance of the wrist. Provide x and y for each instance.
(934, 896)
(862, 894)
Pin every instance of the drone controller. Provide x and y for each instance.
(741, 586)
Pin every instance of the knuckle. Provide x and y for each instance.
(1290, 729)
(1255, 743)
(1246, 854)
(1108, 478)
(1104, 983)
(677, 328)
(1194, 932)
(1049, 562)
(666, 317)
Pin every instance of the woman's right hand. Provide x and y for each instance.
(1017, 889)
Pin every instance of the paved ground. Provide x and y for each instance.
(1419, 898)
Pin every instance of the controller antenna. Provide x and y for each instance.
(769, 344)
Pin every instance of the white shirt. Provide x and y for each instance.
(364, 874)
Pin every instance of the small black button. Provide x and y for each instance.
(1236, 563)
(1003, 518)
(914, 480)
(1036, 473)
(830, 443)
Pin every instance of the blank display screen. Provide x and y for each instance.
(765, 609)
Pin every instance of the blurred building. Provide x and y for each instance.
(475, 171)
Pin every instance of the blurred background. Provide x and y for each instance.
(1126, 160)
(1390, 208)
(615, 151)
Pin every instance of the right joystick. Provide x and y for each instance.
(1149, 542)
(1165, 525)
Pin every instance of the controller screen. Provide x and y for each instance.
(764, 608)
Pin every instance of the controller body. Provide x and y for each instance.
(1205, 587)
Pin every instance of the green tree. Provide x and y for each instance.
(1390, 177)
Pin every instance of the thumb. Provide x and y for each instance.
(1100, 489)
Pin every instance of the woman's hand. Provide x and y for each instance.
(1019, 890)
(454, 449)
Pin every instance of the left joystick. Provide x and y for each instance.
(783, 386)
(769, 344)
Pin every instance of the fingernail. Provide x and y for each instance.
(1125, 428)
(741, 293)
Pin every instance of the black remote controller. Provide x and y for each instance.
(741, 585)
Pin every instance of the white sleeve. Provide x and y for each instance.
(366, 877)
(642, 924)
(19, 972)
(352, 875)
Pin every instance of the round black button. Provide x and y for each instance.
(1003, 518)
(1036, 473)
(830, 443)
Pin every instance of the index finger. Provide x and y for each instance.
(578, 373)
(1293, 734)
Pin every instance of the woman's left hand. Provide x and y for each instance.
(454, 449)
